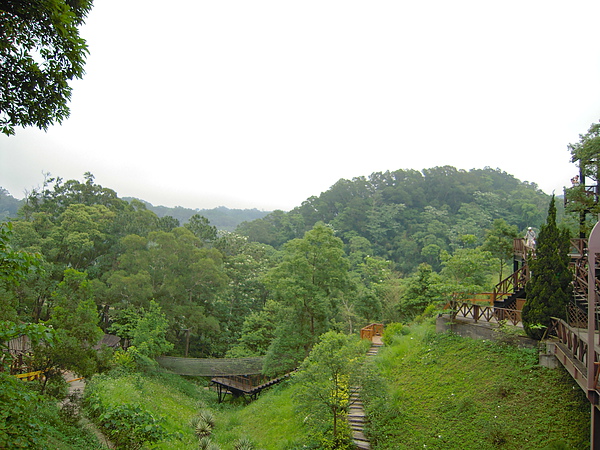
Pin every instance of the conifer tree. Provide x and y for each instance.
(549, 290)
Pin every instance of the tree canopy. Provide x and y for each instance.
(408, 216)
(41, 51)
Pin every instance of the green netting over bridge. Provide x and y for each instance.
(211, 367)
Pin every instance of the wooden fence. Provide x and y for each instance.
(487, 313)
(370, 331)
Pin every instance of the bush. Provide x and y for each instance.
(30, 420)
(203, 423)
(20, 426)
(130, 427)
(392, 330)
(243, 444)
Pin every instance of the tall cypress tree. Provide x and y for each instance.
(549, 290)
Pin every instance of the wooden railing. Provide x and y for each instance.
(576, 317)
(370, 331)
(578, 248)
(486, 298)
(487, 313)
(572, 352)
(511, 284)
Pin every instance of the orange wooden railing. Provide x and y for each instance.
(370, 331)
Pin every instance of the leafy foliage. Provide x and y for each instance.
(325, 378)
(407, 216)
(38, 334)
(580, 199)
(40, 52)
(14, 265)
(131, 427)
(308, 283)
(30, 420)
(499, 242)
(421, 289)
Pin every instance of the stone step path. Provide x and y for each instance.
(356, 411)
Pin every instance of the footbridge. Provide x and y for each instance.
(212, 367)
(234, 376)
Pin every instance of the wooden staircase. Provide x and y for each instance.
(356, 411)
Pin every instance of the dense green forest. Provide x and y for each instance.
(221, 217)
(78, 262)
(408, 216)
(371, 249)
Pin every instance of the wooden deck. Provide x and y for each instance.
(244, 385)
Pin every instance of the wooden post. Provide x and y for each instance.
(187, 342)
(592, 393)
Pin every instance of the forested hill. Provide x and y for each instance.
(222, 217)
(8, 205)
(410, 216)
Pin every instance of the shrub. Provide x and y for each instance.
(392, 330)
(130, 427)
(20, 427)
(243, 444)
(203, 423)
(206, 444)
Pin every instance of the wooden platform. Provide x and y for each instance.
(244, 385)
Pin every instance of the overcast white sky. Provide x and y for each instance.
(265, 103)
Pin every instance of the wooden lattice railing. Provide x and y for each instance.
(484, 312)
(574, 339)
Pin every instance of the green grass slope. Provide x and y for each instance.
(269, 422)
(442, 391)
(425, 391)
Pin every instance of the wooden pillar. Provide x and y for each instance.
(595, 429)
(592, 393)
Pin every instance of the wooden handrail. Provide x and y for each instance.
(511, 284)
(374, 329)
(489, 313)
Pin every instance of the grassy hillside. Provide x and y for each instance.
(448, 392)
(270, 422)
(425, 391)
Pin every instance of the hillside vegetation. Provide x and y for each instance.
(409, 216)
(80, 262)
(425, 391)
(443, 391)
(226, 219)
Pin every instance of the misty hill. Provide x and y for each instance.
(9, 206)
(410, 216)
(221, 217)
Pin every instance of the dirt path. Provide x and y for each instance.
(76, 386)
